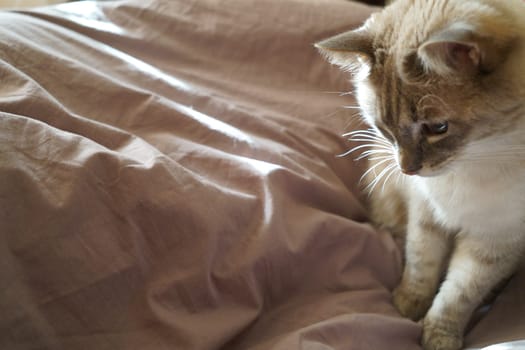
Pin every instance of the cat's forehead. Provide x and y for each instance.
(397, 100)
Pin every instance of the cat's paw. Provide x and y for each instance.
(437, 337)
(411, 304)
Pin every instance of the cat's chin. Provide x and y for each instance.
(435, 172)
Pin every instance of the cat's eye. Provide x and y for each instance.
(433, 129)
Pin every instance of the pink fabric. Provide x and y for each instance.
(169, 180)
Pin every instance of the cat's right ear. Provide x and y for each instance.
(350, 50)
(464, 50)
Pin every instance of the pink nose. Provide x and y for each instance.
(411, 171)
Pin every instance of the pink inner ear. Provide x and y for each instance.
(462, 55)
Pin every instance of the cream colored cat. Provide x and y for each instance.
(442, 85)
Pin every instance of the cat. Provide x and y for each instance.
(441, 83)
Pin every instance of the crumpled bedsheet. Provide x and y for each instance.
(169, 179)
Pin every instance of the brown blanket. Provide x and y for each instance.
(169, 180)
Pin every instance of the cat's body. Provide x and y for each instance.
(442, 84)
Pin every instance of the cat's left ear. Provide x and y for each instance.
(462, 50)
(348, 50)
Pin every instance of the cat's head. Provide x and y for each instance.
(435, 77)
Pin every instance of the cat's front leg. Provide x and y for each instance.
(426, 251)
(477, 265)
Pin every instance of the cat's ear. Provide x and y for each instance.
(348, 50)
(462, 50)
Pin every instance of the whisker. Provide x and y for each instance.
(369, 132)
(400, 178)
(382, 157)
(369, 137)
(371, 186)
(378, 150)
(375, 137)
(379, 177)
(392, 171)
(368, 140)
(372, 152)
(340, 93)
(366, 136)
(375, 146)
(363, 134)
(372, 169)
(330, 115)
(355, 119)
(352, 150)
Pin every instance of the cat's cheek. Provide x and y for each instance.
(427, 172)
(367, 100)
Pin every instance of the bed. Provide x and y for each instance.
(170, 179)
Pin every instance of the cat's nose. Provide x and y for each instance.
(411, 170)
(410, 159)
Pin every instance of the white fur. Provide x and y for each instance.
(477, 203)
